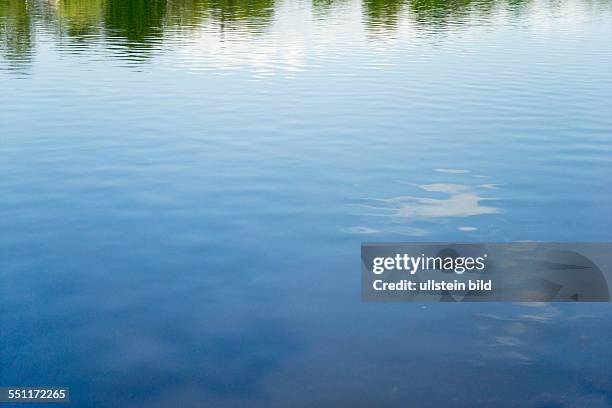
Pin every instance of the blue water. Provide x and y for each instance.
(184, 187)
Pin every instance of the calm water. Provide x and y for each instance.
(185, 184)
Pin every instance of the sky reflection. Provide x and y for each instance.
(437, 203)
(185, 185)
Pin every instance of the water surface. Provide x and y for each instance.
(185, 185)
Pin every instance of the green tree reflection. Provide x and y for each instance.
(17, 37)
(438, 13)
(80, 19)
(432, 15)
(140, 22)
(137, 27)
(382, 15)
(246, 15)
(251, 15)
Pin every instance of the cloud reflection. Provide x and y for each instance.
(437, 202)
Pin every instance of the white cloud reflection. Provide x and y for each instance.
(438, 202)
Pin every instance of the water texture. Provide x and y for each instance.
(185, 184)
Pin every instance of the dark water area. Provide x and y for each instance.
(185, 185)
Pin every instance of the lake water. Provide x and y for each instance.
(185, 184)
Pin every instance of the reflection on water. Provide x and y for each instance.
(516, 339)
(16, 31)
(440, 12)
(185, 184)
(382, 14)
(140, 24)
(78, 20)
(136, 21)
(406, 213)
(137, 24)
